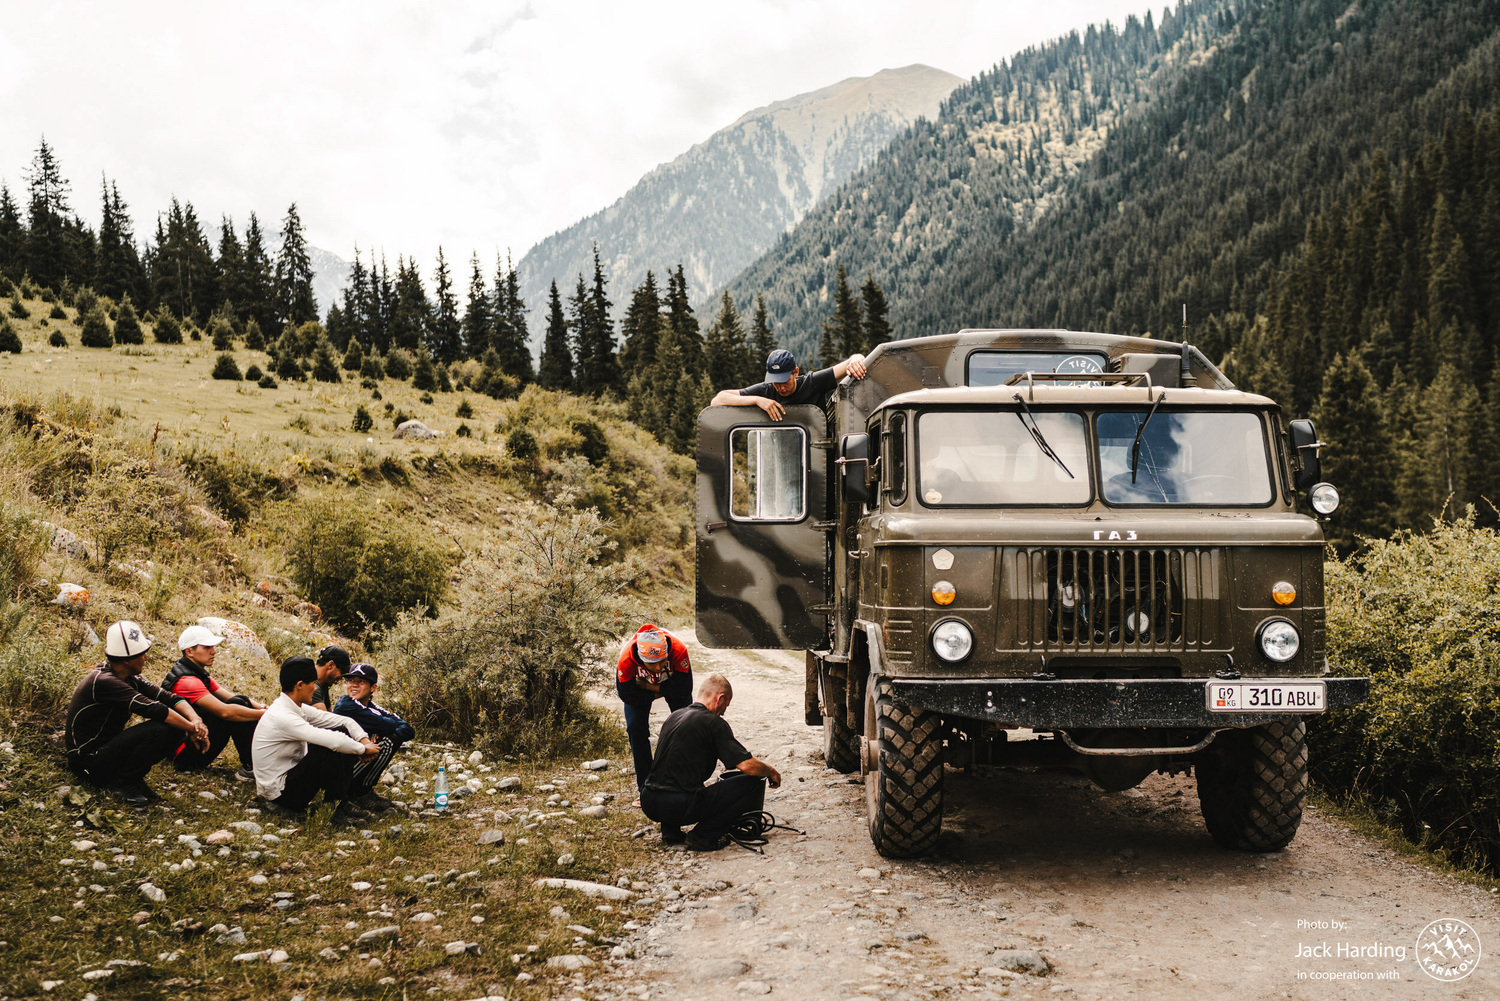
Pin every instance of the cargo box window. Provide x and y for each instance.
(895, 446)
(995, 368)
(768, 474)
(991, 458)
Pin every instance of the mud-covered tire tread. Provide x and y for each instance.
(1252, 785)
(906, 815)
(840, 740)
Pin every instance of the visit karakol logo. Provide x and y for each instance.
(1448, 949)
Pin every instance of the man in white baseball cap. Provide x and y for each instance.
(229, 716)
(100, 747)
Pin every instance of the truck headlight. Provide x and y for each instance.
(952, 641)
(1279, 640)
(1324, 498)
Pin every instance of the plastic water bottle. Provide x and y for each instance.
(440, 799)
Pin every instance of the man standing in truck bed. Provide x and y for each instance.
(785, 386)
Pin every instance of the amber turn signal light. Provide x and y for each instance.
(943, 593)
(1283, 593)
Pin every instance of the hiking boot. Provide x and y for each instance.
(133, 793)
(244, 775)
(374, 803)
(705, 843)
(347, 815)
(285, 811)
(671, 834)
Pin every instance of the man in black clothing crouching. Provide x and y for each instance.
(691, 740)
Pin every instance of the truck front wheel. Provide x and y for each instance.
(840, 740)
(1252, 784)
(902, 761)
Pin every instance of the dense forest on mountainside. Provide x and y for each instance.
(1005, 149)
(1319, 188)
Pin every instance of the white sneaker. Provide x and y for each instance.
(244, 775)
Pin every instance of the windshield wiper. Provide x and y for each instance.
(1036, 435)
(1135, 449)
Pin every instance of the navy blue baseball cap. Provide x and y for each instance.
(779, 365)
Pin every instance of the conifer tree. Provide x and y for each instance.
(96, 332)
(181, 264)
(639, 328)
(556, 370)
(254, 339)
(165, 329)
(355, 320)
(1358, 455)
(509, 335)
(845, 328)
(423, 376)
(258, 280)
(10, 341)
(598, 367)
(119, 270)
(762, 340)
(828, 348)
(446, 339)
(477, 330)
(877, 326)
(127, 325)
(220, 333)
(48, 257)
(295, 303)
(412, 313)
(684, 323)
(12, 237)
(225, 368)
(354, 356)
(728, 354)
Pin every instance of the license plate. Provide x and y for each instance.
(1267, 697)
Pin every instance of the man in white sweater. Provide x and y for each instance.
(300, 750)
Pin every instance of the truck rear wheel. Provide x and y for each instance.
(902, 761)
(1252, 784)
(840, 740)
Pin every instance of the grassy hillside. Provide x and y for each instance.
(169, 496)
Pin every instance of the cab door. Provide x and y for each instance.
(762, 529)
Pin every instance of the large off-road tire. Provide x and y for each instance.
(1252, 784)
(840, 740)
(902, 761)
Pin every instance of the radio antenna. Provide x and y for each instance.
(1185, 376)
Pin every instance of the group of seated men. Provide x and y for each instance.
(301, 744)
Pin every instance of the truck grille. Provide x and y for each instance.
(1118, 600)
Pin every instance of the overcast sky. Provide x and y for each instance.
(480, 125)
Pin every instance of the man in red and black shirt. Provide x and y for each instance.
(100, 747)
(229, 716)
(653, 664)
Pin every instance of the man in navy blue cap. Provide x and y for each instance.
(786, 386)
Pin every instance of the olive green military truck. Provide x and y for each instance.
(1032, 548)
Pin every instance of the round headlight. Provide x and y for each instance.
(1324, 497)
(952, 641)
(1279, 640)
(943, 593)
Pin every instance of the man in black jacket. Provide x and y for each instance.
(691, 740)
(230, 716)
(384, 727)
(100, 748)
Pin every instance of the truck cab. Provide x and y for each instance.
(1033, 548)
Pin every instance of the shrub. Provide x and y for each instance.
(1416, 614)
(521, 445)
(424, 376)
(444, 384)
(267, 382)
(221, 333)
(287, 368)
(84, 301)
(426, 398)
(225, 368)
(35, 680)
(96, 332)
(253, 374)
(398, 417)
(254, 339)
(127, 326)
(464, 431)
(594, 442)
(325, 369)
(364, 574)
(10, 341)
(368, 383)
(47, 295)
(58, 313)
(57, 340)
(165, 328)
(354, 356)
(375, 395)
(300, 423)
(465, 410)
(371, 368)
(398, 364)
(362, 419)
(17, 308)
(509, 662)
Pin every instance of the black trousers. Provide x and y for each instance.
(322, 769)
(367, 771)
(677, 690)
(129, 755)
(220, 733)
(714, 808)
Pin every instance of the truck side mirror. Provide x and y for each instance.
(1305, 445)
(854, 462)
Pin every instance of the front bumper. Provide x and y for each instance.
(1060, 705)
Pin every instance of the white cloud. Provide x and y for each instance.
(477, 125)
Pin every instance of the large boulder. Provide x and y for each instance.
(238, 635)
(415, 429)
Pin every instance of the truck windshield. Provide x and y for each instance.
(1197, 457)
(990, 458)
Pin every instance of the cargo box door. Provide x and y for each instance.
(762, 537)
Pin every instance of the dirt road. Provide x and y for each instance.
(1120, 894)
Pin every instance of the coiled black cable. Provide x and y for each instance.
(751, 829)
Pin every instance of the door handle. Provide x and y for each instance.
(717, 524)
